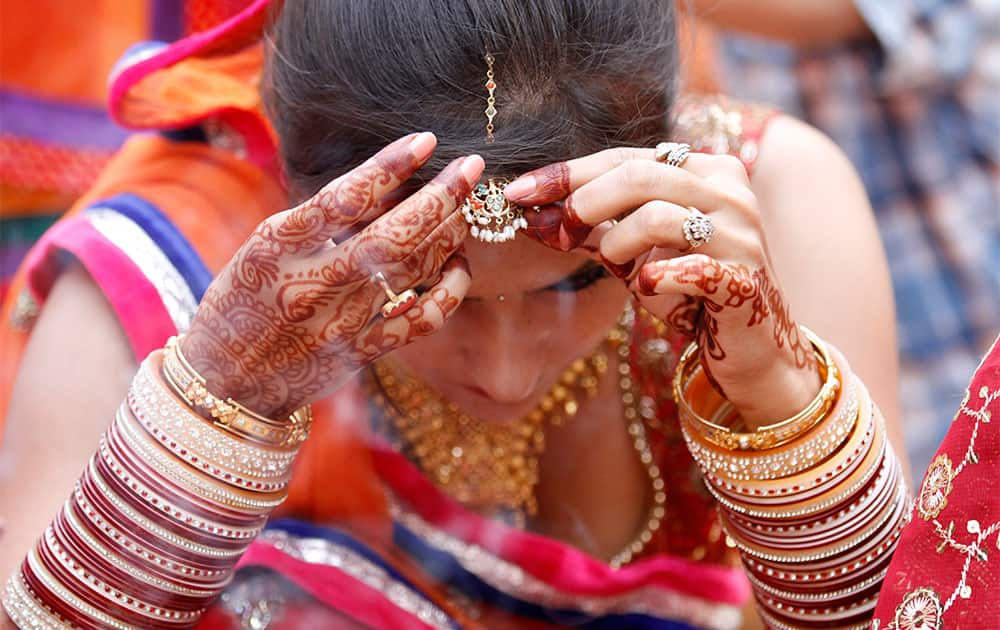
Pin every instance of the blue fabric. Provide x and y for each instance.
(163, 232)
(447, 569)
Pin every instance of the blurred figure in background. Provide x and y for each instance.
(909, 90)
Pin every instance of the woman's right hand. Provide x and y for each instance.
(296, 312)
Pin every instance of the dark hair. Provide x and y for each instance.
(345, 77)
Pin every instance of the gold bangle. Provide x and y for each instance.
(784, 461)
(768, 436)
(228, 413)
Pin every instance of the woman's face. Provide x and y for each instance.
(529, 313)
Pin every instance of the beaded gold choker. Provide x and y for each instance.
(487, 466)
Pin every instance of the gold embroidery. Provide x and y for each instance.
(24, 312)
(715, 124)
(934, 491)
(920, 610)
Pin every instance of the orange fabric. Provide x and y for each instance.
(193, 88)
(201, 15)
(29, 201)
(333, 458)
(64, 50)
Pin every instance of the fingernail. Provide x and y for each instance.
(576, 230)
(520, 188)
(472, 169)
(423, 145)
(621, 271)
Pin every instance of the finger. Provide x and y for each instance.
(428, 314)
(654, 224)
(694, 275)
(393, 236)
(661, 224)
(635, 183)
(556, 181)
(357, 196)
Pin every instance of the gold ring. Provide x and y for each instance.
(398, 303)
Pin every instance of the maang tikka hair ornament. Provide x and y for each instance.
(494, 219)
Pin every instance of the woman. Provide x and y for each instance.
(521, 462)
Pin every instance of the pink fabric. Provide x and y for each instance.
(557, 564)
(134, 299)
(335, 588)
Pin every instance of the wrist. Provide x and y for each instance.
(782, 391)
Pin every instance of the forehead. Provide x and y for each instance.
(520, 265)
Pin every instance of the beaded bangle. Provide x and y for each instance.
(228, 413)
(68, 520)
(826, 501)
(206, 488)
(165, 507)
(783, 461)
(202, 445)
(156, 522)
(814, 554)
(89, 581)
(810, 483)
(94, 476)
(82, 509)
(771, 435)
(25, 608)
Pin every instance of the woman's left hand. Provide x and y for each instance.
(629, 209)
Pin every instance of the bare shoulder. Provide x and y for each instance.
(74, 372)
(796, 158)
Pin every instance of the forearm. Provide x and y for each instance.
(157, 521)
(813, 512)
(801, 22)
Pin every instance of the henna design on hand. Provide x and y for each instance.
(685, 316)
(725, 289)
(292, 316)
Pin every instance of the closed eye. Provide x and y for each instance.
(587, 275)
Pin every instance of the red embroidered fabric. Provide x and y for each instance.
(945, 573)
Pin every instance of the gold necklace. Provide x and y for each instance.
(487, 466)
(619, 338)
(493, 466)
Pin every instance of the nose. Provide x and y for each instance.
(506, 355)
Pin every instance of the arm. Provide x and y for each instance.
(810, 490)
(162, 512)
(826, 250)
(803, 22)
(72, 377)
(925, 43)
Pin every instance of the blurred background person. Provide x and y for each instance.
(910, 91)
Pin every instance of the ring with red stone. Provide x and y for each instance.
(398, 303)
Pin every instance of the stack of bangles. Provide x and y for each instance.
(814, 503)
(180, 485)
